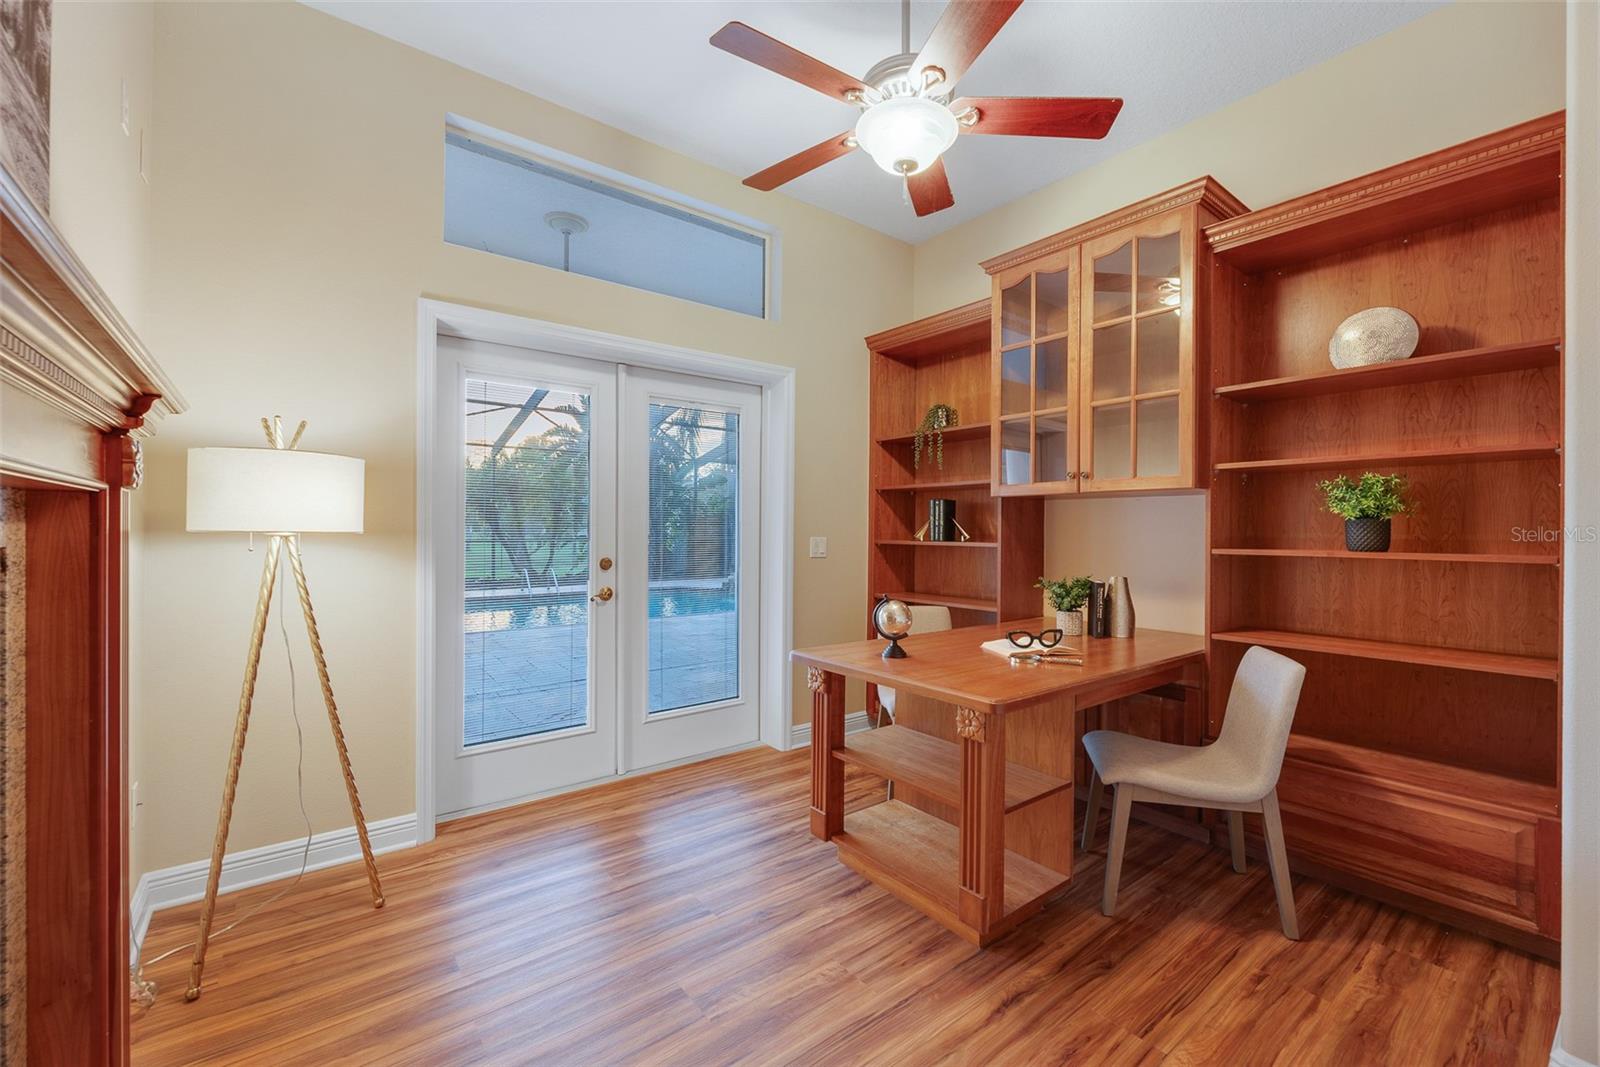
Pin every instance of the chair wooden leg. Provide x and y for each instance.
(1096, 788)
(1236, 839)
(1278, 861)
(1121, 808)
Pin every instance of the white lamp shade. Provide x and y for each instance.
(271, 490)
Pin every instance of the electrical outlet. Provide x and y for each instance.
(127, 130)
(819, 548)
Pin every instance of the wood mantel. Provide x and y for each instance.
(78, 393)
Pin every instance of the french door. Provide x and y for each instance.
(597, 611)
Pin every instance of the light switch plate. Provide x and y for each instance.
(819, 548)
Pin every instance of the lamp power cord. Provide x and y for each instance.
(143, 990)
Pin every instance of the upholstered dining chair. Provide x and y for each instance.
(1236, 773)
(925, 619)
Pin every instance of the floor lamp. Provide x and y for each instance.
(281, 492)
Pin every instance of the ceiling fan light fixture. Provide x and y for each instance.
(905, 134)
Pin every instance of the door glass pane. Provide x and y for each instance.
(1016, 312)
(1158, 436)
(1014, 453)
(1111, 360)
(1158, 272)
(1051, 389)
(1052, 309)
(1015, 395)
(1158, 352)
(527, 561)
(1050, 436)
(1113, 454)
(694, 556)
(1113, 284)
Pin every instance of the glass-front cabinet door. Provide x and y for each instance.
(1137, 406)
(1035, 443)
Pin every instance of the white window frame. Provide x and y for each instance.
(546, 156)
(776, 573)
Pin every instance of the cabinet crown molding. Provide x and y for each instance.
(1205, 191)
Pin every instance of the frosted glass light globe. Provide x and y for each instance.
(905, 134)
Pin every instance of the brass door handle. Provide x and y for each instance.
(603, 595)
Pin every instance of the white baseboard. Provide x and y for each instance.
(1560, 1057)
(186, 882)
(800, 734)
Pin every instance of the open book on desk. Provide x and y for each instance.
(1072, 657)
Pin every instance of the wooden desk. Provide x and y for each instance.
(964, 875)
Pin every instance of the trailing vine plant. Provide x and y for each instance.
(939, 418)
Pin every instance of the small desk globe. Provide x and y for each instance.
(892, 620)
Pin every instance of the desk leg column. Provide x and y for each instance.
(981, 904)
(827, 734)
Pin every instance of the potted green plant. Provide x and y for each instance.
(1366, 506)
(931, 429)
(1067, 597)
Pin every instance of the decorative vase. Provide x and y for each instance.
(1376, 335)
(1119, 603)
(1070, 623)
(1366, 535)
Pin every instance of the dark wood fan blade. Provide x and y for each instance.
(930, 190)
(769, 52)
(1041, 116)
(962, 32)
(801, 163)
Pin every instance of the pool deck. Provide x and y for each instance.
(532, 679)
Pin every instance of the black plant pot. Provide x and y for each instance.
(1366, 535)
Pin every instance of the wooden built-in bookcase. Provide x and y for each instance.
(944, 359)
(1425, 758)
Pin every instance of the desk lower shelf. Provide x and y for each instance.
(916, 857)
(933, 766)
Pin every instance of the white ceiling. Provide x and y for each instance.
(645, 66)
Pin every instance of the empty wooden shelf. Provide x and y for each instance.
(1395, 652)
(987, 607)
(917, 857)
(1529, 559)
(933, 766)
(1465, 454)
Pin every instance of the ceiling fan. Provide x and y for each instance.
(908, 118)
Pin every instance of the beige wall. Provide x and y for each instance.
(1455, 73)
(297, 220)
(100, 200)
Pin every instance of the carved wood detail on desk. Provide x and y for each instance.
(982, 827)
(827, 734)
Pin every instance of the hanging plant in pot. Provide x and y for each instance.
(1366, 506)
(1067, 597)
(930, 430)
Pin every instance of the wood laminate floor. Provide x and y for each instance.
(689, 918)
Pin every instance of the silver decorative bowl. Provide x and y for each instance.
(1376, 335)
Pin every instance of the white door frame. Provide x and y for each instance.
(435, 317)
